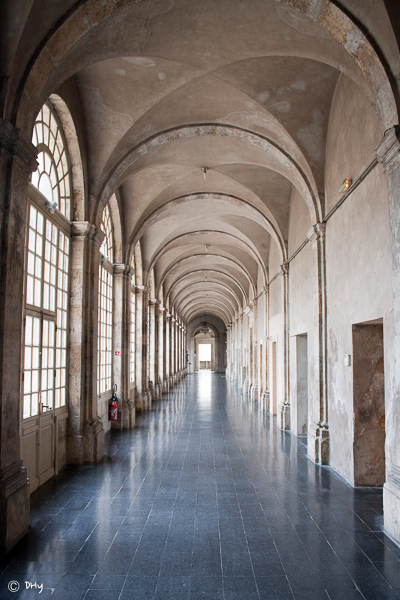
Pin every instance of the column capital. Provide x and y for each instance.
(169, 316)
(153, 301)
(122, 269)
(82, 229)
(389, 148)
(161, 308)
(141, 289)
(14, 144)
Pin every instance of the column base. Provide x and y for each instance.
(284, 416)
(265, 401)
(246, 385)
(93, 444)
(128, 416)
(165, 386)
(254, 393)
(318, 444)
(391, 505)
(14, 505)
(148, 399)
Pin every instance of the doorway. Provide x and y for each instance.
(302, 383)
(205, 356)
(369, 404)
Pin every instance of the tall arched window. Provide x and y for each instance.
(132, 331)
(46, 313)
(105, 311)
(52, 177)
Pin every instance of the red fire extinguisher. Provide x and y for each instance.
(114, 405)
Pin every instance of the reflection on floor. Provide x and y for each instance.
(206, 498)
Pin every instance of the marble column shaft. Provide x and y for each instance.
(85, 428)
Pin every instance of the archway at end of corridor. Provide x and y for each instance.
(204, 356)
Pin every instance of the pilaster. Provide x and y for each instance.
(17, 161)
(318, 430)
(388, 154)
(284, 410)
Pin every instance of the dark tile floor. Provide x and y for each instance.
(205, 499)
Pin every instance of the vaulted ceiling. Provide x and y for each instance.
(202, 116)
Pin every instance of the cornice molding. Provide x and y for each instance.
(15, 145)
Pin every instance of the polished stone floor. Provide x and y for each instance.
(205, 499)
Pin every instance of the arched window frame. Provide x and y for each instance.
(53, 175)
(47, 273)
(105, 306)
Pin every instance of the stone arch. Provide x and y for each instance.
(224, 258)
(75, 157)
(117, 231)
(210, 325)
(299, 178)
(257, 213)
(151, 284)
(138, 264)
(85, 16)
(196, 283)
(253, 251)
(245, 295)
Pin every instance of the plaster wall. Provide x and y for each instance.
(358, 255)
(303, 307)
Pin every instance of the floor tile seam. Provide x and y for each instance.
(178, 486)
(241, 516)
(148, 517)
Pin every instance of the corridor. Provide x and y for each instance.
(205, 498)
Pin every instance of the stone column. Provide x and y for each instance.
(266, 394)
(241, 341)
(180, 346)
(17, 161)
(152, 346)
(185, 355)
(85, 443)
(254, 375)
(140, 400)
(161, 348)
(146, 352)
(167, 372)
(388, 154)
(318, 431)
(121, 361)
(83, 427)
(172, 351)
(284, 412)
(229, 350)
